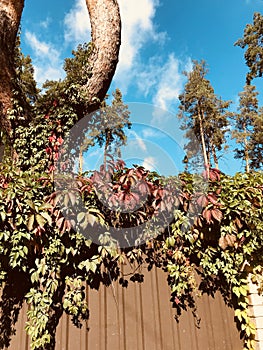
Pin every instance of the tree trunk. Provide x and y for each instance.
(81, 160)
(10, 16)
(215, 156)
(106, 147)
(106, 36)
(246, 153)
(203, 138)
(246, 148)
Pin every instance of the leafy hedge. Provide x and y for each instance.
(184, 225)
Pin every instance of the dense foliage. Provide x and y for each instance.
(252, 42)
(216, 231)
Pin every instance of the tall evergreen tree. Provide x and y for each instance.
(109, 128)
(204, 116)
(117, 118)
(244, 128)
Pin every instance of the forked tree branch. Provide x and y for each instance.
(106, 37)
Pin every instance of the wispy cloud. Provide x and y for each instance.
(170, 83)
(137, 29)
(151, 133)
(162, 80)
(45, 24)
(159, 77)
(47, 59)
(136, 140)
(149, 163)
(77, 24)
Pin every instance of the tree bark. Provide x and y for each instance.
(106, 36)
(10, 16)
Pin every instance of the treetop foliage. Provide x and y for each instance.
(252, 41)
(204, 116)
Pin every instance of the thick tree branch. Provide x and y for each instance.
(106, 36)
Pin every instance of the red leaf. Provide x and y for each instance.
(202, 201)
(217, 214)
(207, 215)
(212, 198)
(177, 300)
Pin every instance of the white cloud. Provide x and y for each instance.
(137, 29)
(141, 144)
(150, 133)
(158, 77)
(150, 163)
(47, 61)
(96, 152)
(135, 140)
(45, 24)
(77, 24)
(170, 85)
(162, 80)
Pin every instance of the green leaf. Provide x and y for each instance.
(81, 216)
(47, 217)
(40, 220)
(91, 219)
(30, 222)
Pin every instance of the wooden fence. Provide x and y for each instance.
(140, 317)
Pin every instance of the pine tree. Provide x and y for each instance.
(109, 128)
(114, 136)
(245, 125)
(204, 116)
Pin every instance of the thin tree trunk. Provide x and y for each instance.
(106, 147)
(203, 139)
(215, 156)
(247, 156)
(246, 151)
(208, 154)
(10, 16)
(81, 160)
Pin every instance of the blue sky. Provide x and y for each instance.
(159, 40)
